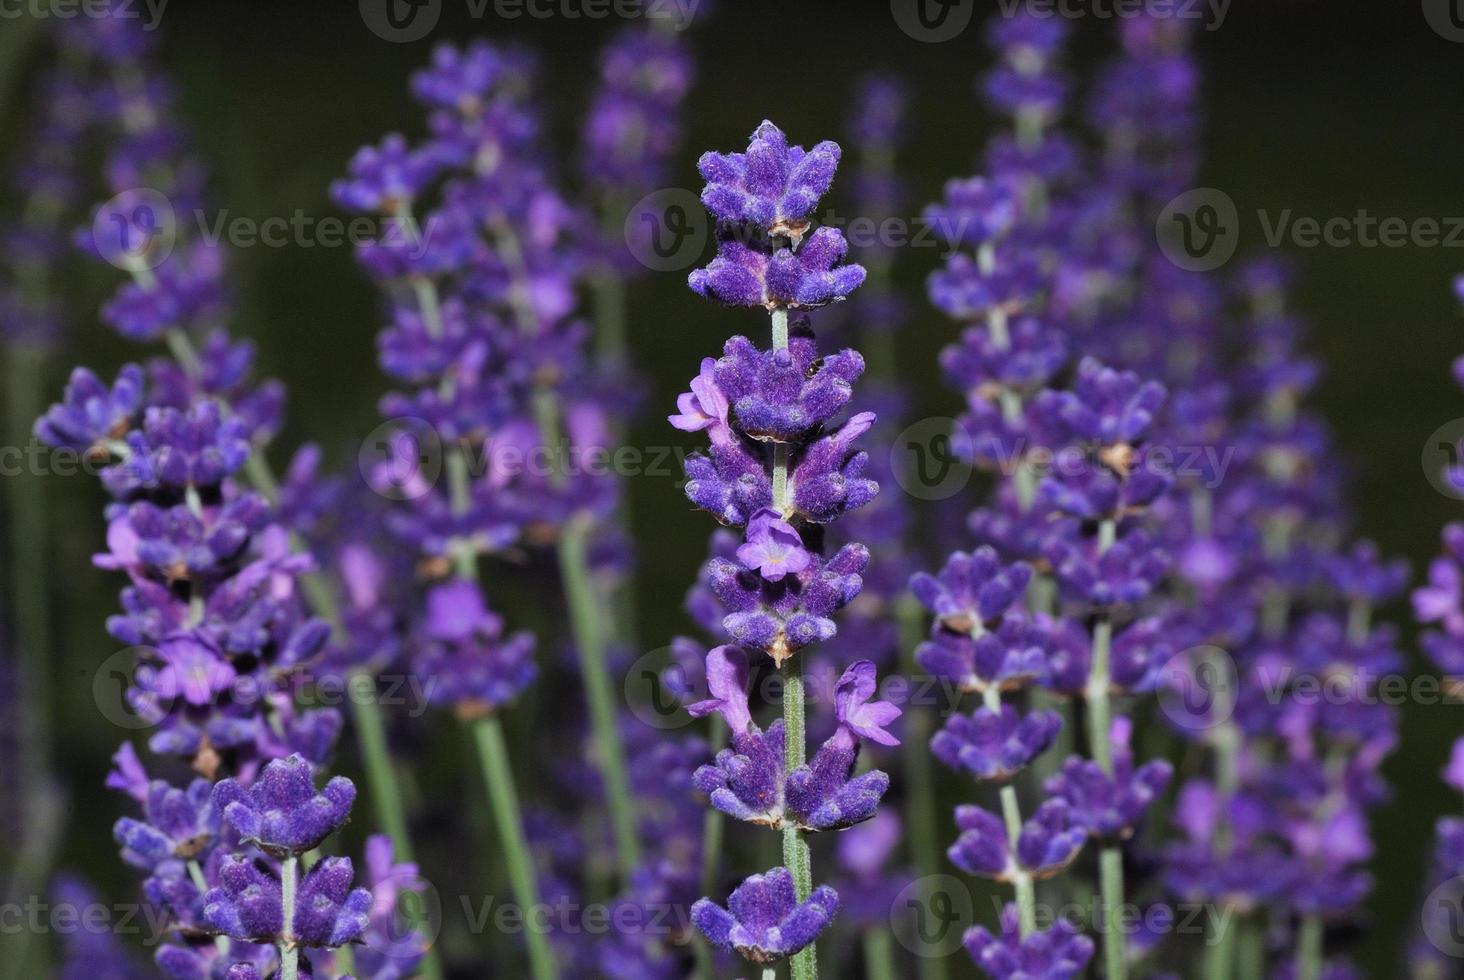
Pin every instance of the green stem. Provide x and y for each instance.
(289, 952)
(795, 849)
(1012, 815)
(1309, 949)
(1220, 948)
(498, 775)
(1252, 953)
(1100, 715)
(588, 622)
(879, 955)
(1110, 874)
(608, 296)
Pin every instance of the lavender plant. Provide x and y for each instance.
(779, 468)
(1088, 627)
(213, 611)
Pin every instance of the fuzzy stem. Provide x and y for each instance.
(289, 952)
(1100, 715)
(498, 775)
(588, 621)
(795, 849)
(780, 450)
(1309, 949)
(1011, 811)
(768, 973)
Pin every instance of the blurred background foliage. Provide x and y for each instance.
(1322, 108)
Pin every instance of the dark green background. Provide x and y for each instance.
(1318, 107)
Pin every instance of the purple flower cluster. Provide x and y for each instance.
(1063, 597)
(1269, 596)
(213, 612)
(781, 464)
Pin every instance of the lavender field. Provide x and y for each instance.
(666, 489)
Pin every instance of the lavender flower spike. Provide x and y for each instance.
(781, 465)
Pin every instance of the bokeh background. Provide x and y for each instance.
(1320, 107)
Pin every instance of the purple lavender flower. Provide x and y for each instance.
(750, 782)
(773, 547)
(1109, 807)
(474, 667)
(971, 589)
(745, 274)
(632, 129)
(283, 813)
(783, 395)
(764, 921)
(772, 186)
(91, 414)
(1059, 953)
(248, 904)
(178, 825)
(1046, 844)
(994, 745)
